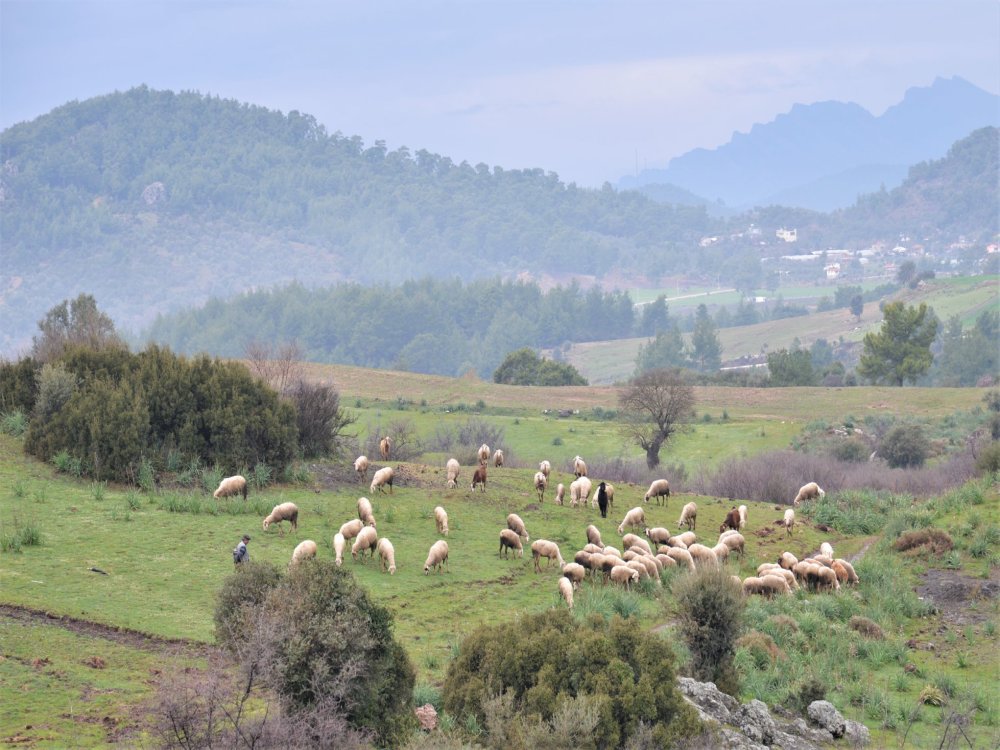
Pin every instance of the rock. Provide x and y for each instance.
(800, 728)
(733, 740)
(427, 717)
(787, 741)
(857, 734)
(755, 721)
(828, 717)
(708, 699)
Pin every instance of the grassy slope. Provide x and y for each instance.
(614, 361)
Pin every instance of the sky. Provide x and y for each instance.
(589, 90)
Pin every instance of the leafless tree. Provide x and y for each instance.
(655, 405)
(280, 367)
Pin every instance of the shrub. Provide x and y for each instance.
(711, 613)
(904, 446)
(542, 660)
(319, 417)
(240, 599)
(934, 541)
(988, 461)
(867, 628)
(851, 450)
(14, 423)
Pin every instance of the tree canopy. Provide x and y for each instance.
(525, 367)
(901, 350)
(654, 405)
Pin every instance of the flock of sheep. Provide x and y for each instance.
(637, 559)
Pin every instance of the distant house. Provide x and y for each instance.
(788, 235)
(707, 241)
(832, 271)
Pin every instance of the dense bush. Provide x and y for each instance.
(543, 662)
(989, 458)
(319, 417)
(710, 605)
(525, 367)
(904, 446)
(240, 599)
(18, 385)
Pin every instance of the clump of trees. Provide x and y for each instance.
(614, 678)
(525, 367)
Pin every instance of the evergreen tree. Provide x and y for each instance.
(901, 349)
(706, 349)
(666, 350)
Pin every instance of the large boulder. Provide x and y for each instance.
(708, 699)
(826, 716)
(857, 734)
(754, 720)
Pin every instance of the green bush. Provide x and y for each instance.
(240, 599)
(542, 662)
(904, 446)
(14, 423)
(988, 461)
(851, 450)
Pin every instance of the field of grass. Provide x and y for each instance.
(167, 553)
(685, 297)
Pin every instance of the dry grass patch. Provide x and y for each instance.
(922, 541)
(867, 628)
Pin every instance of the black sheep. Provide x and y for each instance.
(602, 500)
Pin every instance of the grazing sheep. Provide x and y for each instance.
(560, 492)
(545, 467)
(666, 561)
(639, 568)
(635, 518)
(574, 572)
(823, 560)
(361, 466)
(604, 563)
(498, 459)
(387, 556)
(767, 586)
(687, 538)
(545, 548)
(631, 540)
(721, 552)
(283, 512)
(689, 516)
(773, 569)
(453, 469)
(230, 486)
(304, 550)
(826, 578)
(613, 551)
(732, 521)
(579, 467)
(594, 535)
(682, 556)
(441, 520)
(743, 516)
(808, 492)
(777, 582)
(583, 558)
(734, 541)
(676, 541)
(657, 535)
(789, 521)
(352, 528)
(515, 524)
(605, 497)
(702, 555)
(541, 482)
(848, 571)
(479, 477)
(566, 591)
(579, 491)
(826, 549)
(483, 454)
(437, 557)
(366, 540)
(338, 548)
(624, 575)
(787, 560)
(591, 547)
(385, 448)
(509, 540)
(365, 512)
(659, 488)
(382, 477)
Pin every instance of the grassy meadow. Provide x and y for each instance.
(167, 552)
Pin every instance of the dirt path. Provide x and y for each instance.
(853, 559)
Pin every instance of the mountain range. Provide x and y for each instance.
(824, 155)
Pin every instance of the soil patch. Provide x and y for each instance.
(952, 593)
(336, 476)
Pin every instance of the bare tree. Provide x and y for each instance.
(280, 367)
(655, 405)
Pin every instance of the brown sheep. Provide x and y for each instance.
(732, 521)
(479, 477)
(385, 448)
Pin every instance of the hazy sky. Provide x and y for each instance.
(574, 87)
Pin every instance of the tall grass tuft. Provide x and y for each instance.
(14, 423)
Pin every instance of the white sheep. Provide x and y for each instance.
(639, 568)
(387, 556)
(574, 572)
(721, 552)
(594, 535)
(453, 470)
(734, 540)
(509, 540)
(702, 555)
(666, 561)
(352, 528)
(385, 448)
(632, 540)
(515, 524)
(689, 516)
(611, 551)
(635, 518)
(544, 548)
(366, 540)
(560, 492)
(687, 538)
(441, 520)
(483, 454)
(826, 549)
(579, 467)
(437, 557)
(789, 521)
(365, 511)
(283, 512)
(541, 482)
(624, 575)
(361, 466)
(382, 477)
(338, 548)
(545, 467)
(304, 550)
(498, 459)
(682, 556)
(579, 490)
(658, 488)
(787, 560)
(230, 486)
(566, 591)
(743, 516)
(657, 535)
(808, 492)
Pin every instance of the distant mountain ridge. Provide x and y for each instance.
(822, 156)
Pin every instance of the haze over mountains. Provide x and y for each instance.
(824, 155)
(154, 201)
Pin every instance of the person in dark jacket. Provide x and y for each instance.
(241, 554)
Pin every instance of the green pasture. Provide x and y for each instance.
(682, 296)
